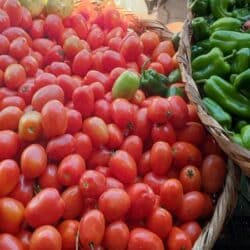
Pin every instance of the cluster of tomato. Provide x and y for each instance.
(80, 169)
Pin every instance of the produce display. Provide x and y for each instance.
(221, 63)
(99, 146)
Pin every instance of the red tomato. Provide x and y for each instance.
(103, 170)
(210, 146)
(71, 169)
(46, 237)
(131, 48)
(49, 178)
(24, 236)
(79, 24)
(72, 45)
(26, 21)
(164, 132)
(83, 100)
(116, 236)
(192, 113)
(144, 166)
(67, 32)
(11, 214)
(115, 32)
(192, 230)
(44, 79)
(114, 204)
(95, 38)
(9, 118)
(53, 26)
(190, 178)
(166, 61)
(98, 90)
(150, 41)
(113, 183)
(83, 145)
(97, 130)
(208, 208)
(138, 98)
(186, 154)
(171, 195)
(10, 242)
(55, 54)
(134, 146)
(115, 43)
(42, 45)
(4, 43)
(74, 203)
(37, 29)
(30, 65)
(54, 112)
(82, 63)
(112, 59)
(14, 11)
(178, 240)
(157, 66)
(5, 61)
(192, 206)
(160, 222)
(14, 76)
(102, 109)
(4, 20)
(48, 202)
(115, 136)
(23, 190)
(74, 121)
(213, 173)
(88, 233)
(9, 144)
(15, 101)
(68, 230)
(19, 48)
(165, 46)
(33, 161)
(58, 68)
(161, 158)
(154, 181)
(144, 239)
(111, 18)
(123, 167)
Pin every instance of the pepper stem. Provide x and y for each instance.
(230, 56)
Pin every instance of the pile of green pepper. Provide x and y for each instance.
(221, 63)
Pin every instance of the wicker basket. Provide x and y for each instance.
(228, 198)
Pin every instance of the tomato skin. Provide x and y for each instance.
(186, 154)
(54, 111)
(67, 32)
(160, 222)
(68, 230)
(178, 240)
(60, 146)
(112, 59)
(154, 181)
(12, 101)
(114, 203)
(83, 100)
(83, 145)
(164, 47)
(58, 68)
(14, 76)
(99, 157)
(157, 66)
(10, 242)
(116, 236)
(24, 237)
(74, 124)
(74, 203)
(82, 63)
(113, 183)
(102, 109)
(4, 44)
(144, 239)
(46, 237)
(123, 167)
(49, 202)
(78, 23)
(9, 144)
(150, 41)
(23, 191)
(14, 11)
(33, 161)
(171, 195)
(144, 166)
(9, 118)
(4, 21)
(26, 21)
(95, 38)
(208, 208)
(37, 29)
(213, 173)
(166, 61)
(11, 214)
(92, 184)
(30, 65)
(164, 132)
(72, 45)
(53, 26)
(190, 178)
(192, 229)
(87, 231)
(19, 48)
(115, 136)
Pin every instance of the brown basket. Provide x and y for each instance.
(228, 198)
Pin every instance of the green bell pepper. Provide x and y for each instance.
(174, 76)
(241, 61)
(217, 112)
(200, 29)
(219, 8)
(227, 97)
(229, 41)
(126, 85)
(210, 64)
(239, 125)
(199, 7)
(245, 135)
(153, 83)
(197, 51)
(226, 23)
(242, 83)
(236, 138)
(242, 14)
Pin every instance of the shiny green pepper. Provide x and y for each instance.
(199, 7)
(219, 8)
(226, 23)
(126, 85)
(236, 138)
(174, 76)
(245, 135)
(200, 29)
(241, 61)
(242, 83)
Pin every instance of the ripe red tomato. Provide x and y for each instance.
(19, 48)
(82, 63)
(14, 10)
(158, 67)
(113, 183)
(115, 136)
(102, 109)
(53, 26)
(213, 173)
(48, 202)
(208, 208)
(210, 146)
(88, 234)
(30, 65)
(72, 45)
(74, 202)
(67, 32)
(5, 61)
(4, 43)
(112, 59)
(192, 206)
(4, 20)
(79, 24)
(58, 68)
(16, 101)
(26, 21)
(53, 112)
(114, 204)
(186, 154)
(95, 38)
(46, 237)
(24, 237)
(10, 242)
(171, 195)
(55, 54)
(9, 118)
(192, 230)
(9, 144)
(166, 61)
(115, 43)
(160, 222)
(70, 170)
(37, 29)
(116, 236)
(144, 239)
(44, 79)
(83, 145)
(123, 167)
(11, 214)
(68, 230)
(178, 239)
(99, 157)
(165, 46)
(42, 45)
(150, 41)
(74, 121)
(164, 132)
(154, 181)
(144, 166)
(190, 178)
(13, 32)
(92, 184)
(33, 161)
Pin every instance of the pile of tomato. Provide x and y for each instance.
(82, 170)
